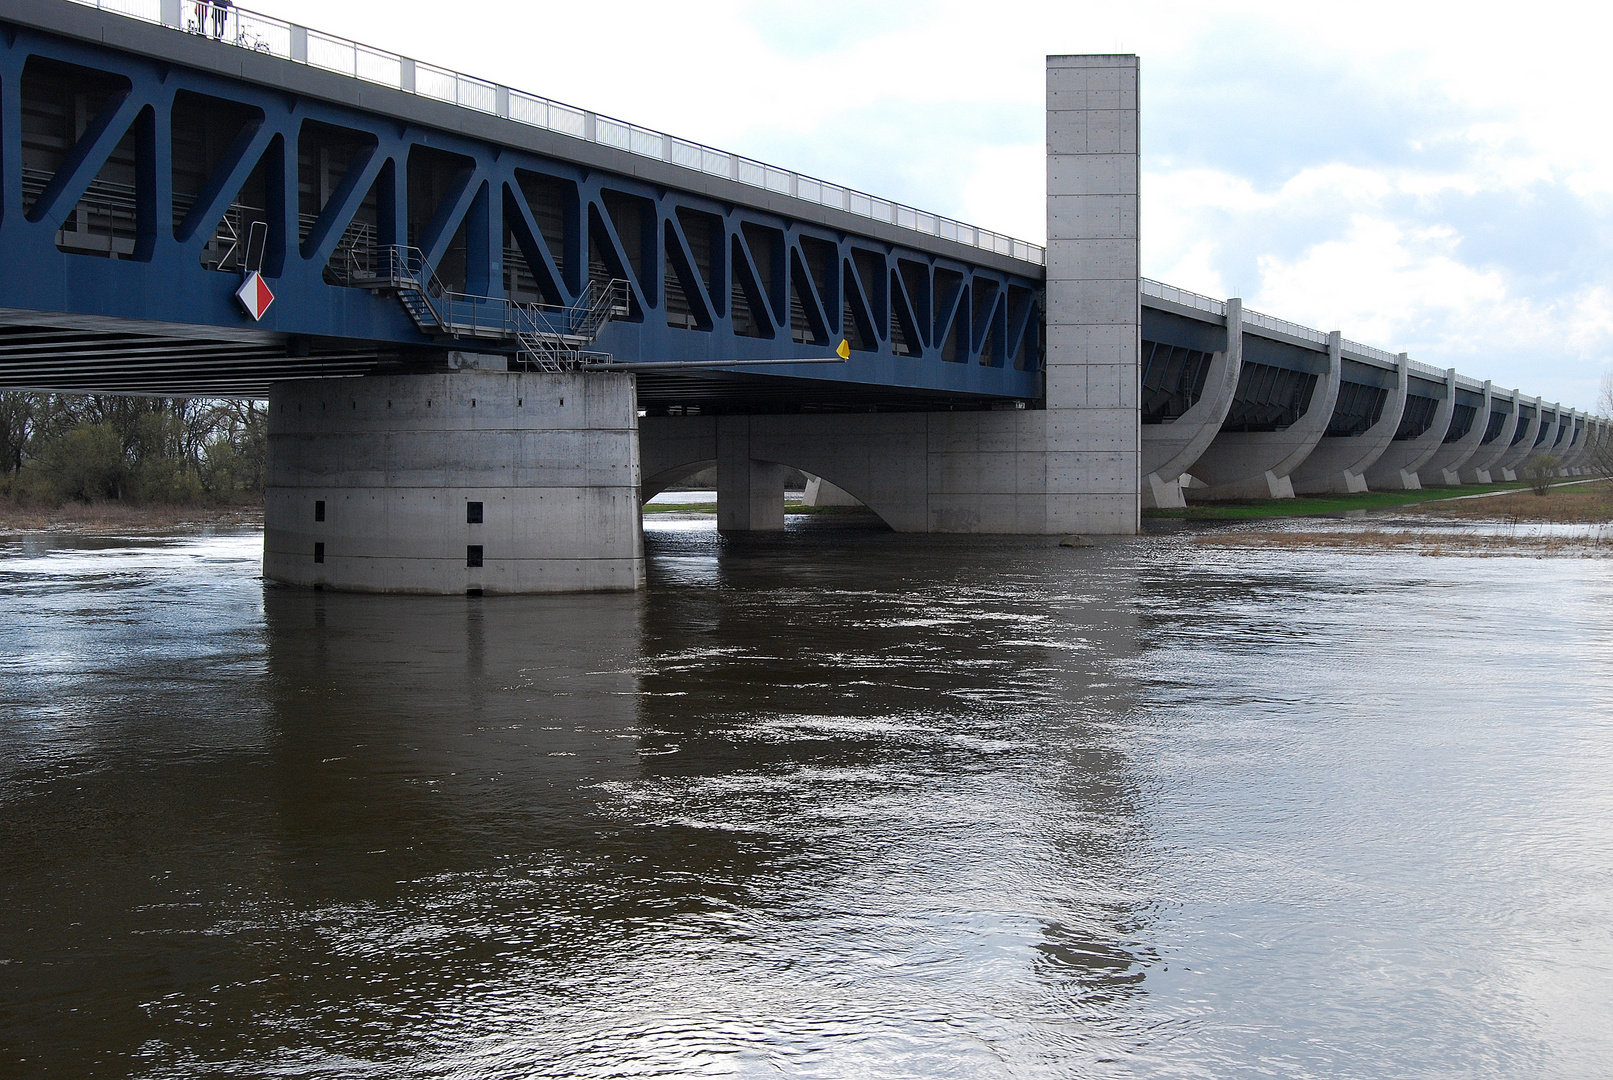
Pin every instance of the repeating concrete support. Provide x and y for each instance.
(1552, 428)
(1169, 450)
(1477, 470)
(448, 483)
(1446, 462)
(1397, 469)
(1574, 448)
(1256, 464)
(750, 491)
(1340, 463)
(1094, 301)
(1519, 451)
(1601, 447)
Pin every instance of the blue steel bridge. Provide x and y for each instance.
(138, 156)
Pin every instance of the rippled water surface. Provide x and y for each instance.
(836, 804)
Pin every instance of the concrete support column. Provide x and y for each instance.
(1094, 302)
(1255, 465)
(1445, 466)
(1551, 430)
(1396, 469)
(1169, 450)
(1573, 443)
(470, 481)
(1478, 468)
(750, 492)
(1522, 446)
(1339, 463)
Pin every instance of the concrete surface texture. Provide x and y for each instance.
(1397, 469)
(1338, 464)
(1444, 466)
(1169, 450)
(1511, 461)
(1256, 464)
(819, 492)
(452, 483)
(952, 472)
(1091, 426)
(1477, 469)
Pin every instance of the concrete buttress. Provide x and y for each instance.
(1338, 464)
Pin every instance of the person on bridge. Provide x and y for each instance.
(221, 13)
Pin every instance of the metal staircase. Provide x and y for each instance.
(549, 337)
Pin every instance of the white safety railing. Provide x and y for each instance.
(276, 37)
(1426, 371)
(1283, 326)
(1161, 291)
(1371, 352)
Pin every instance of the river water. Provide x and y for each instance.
(839, 803)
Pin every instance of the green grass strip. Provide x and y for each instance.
(1323, 505)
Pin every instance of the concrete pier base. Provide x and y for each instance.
(1163, 494)
(468, 481)
(750, 491)
(1170, 450)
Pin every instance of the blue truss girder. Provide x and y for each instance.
(164, 280)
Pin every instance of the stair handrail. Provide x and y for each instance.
(406, 266)
(553, 334)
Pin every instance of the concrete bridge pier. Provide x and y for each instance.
(1169, 450)
(458, 482)
(1397, 469)
(1256, 464)
(1523, 441)
(1339, 464)
(1478, 468)
(1457, 449)
(1550, 431)
(750, 491)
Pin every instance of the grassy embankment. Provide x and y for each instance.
(1509, 524)
(1325, 505)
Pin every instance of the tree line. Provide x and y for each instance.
(58, 448)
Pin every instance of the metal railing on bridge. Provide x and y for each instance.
(276, 37)
(1161, 291)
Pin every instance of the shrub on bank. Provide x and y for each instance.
(57, 449)
(1541, 470)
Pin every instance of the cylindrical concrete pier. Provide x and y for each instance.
(479, 482)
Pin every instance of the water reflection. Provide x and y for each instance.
(834, 803)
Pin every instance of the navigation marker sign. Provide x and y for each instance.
(254, 295)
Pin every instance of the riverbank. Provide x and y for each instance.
(1325, 505)
(1572, 519)
(103, 518)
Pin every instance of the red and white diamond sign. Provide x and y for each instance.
(254, 295)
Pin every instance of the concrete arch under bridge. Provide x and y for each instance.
(977, 471)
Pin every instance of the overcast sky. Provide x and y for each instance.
(1430, 178)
